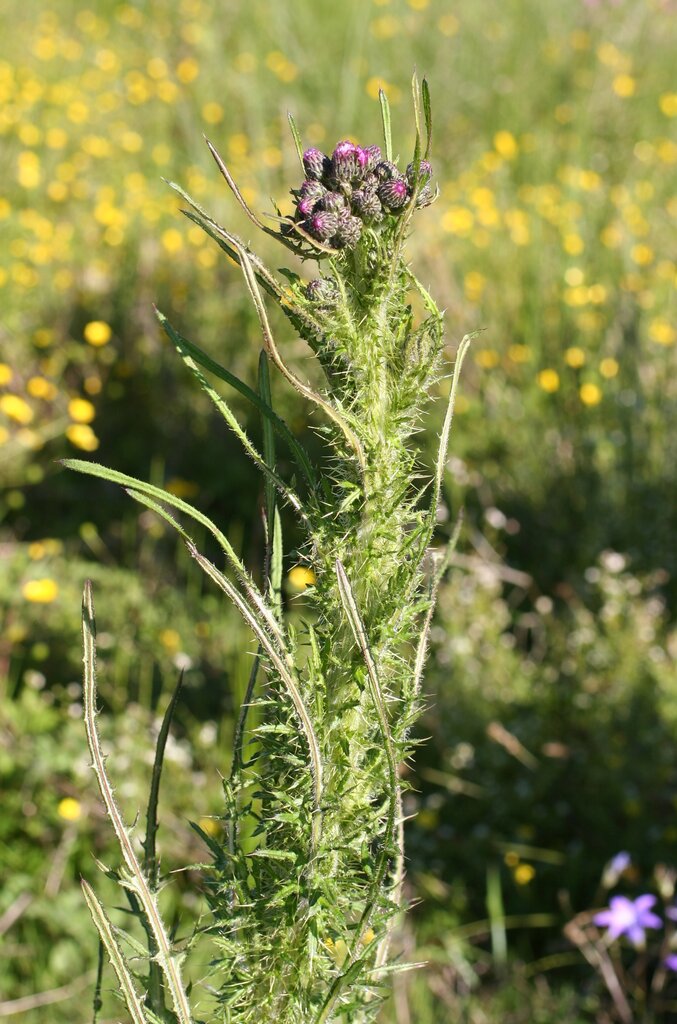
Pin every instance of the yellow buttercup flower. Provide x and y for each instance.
(97, 333)
(69, 809)
(524, 873)
(5, 373)
(16, 408)
(42, 591)
(80, 410)
(574, 357)
(590, 394)
(548, 380)
(82, 436)
(300, 577)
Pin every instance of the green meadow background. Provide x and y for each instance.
(552, 698)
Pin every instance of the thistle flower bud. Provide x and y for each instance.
(315, 163)
(385, 170)
(426, 196)
(334, 202)
(322, 291)
(394, 193)
(312, 190)
(425, 173)
(373, 156)
(348, 231)
(348, 162)
(366, 204)
(322, 225)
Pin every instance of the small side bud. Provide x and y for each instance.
(425, 173)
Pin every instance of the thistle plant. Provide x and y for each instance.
(304, 883)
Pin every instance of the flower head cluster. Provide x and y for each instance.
(353, 188)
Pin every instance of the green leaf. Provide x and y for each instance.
(387, 129)
(296, 137)
(427, 113)
(188, 348)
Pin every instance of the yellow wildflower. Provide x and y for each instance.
(82, 436)
(574, 357)
(6, 374)
(524, 873)
(624, 86)
(590, 394)
(548, 380)
(505, 145)
(609, 367)
(41, 591)
(170, 640)
(301, 577)
(80, 410)
(16, 408)
(69, 809)
(662, 331)
(97, 333)
(668, 104)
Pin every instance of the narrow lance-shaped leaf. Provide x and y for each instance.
(158, 494)
(296, 137)
(387, 129)
(117, 959)
(283, 666)
(428, 115)
(187, 347)
(137, 881)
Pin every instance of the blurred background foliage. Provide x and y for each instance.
(553, 702)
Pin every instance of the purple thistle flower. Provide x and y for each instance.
(322, 225)
(305, 207)
(628, 917)
(314, 163)
(349, 230)
(425, 172)
(348, 162)
(373, 156)
(394, 194)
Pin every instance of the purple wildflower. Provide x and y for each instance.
(312, 190)
(615, 868)
(322, 225)
(671, 912)
(394, 194)
(671, 962)
(348, 162)
(314, 163)
(373, 156)
(628, 917)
